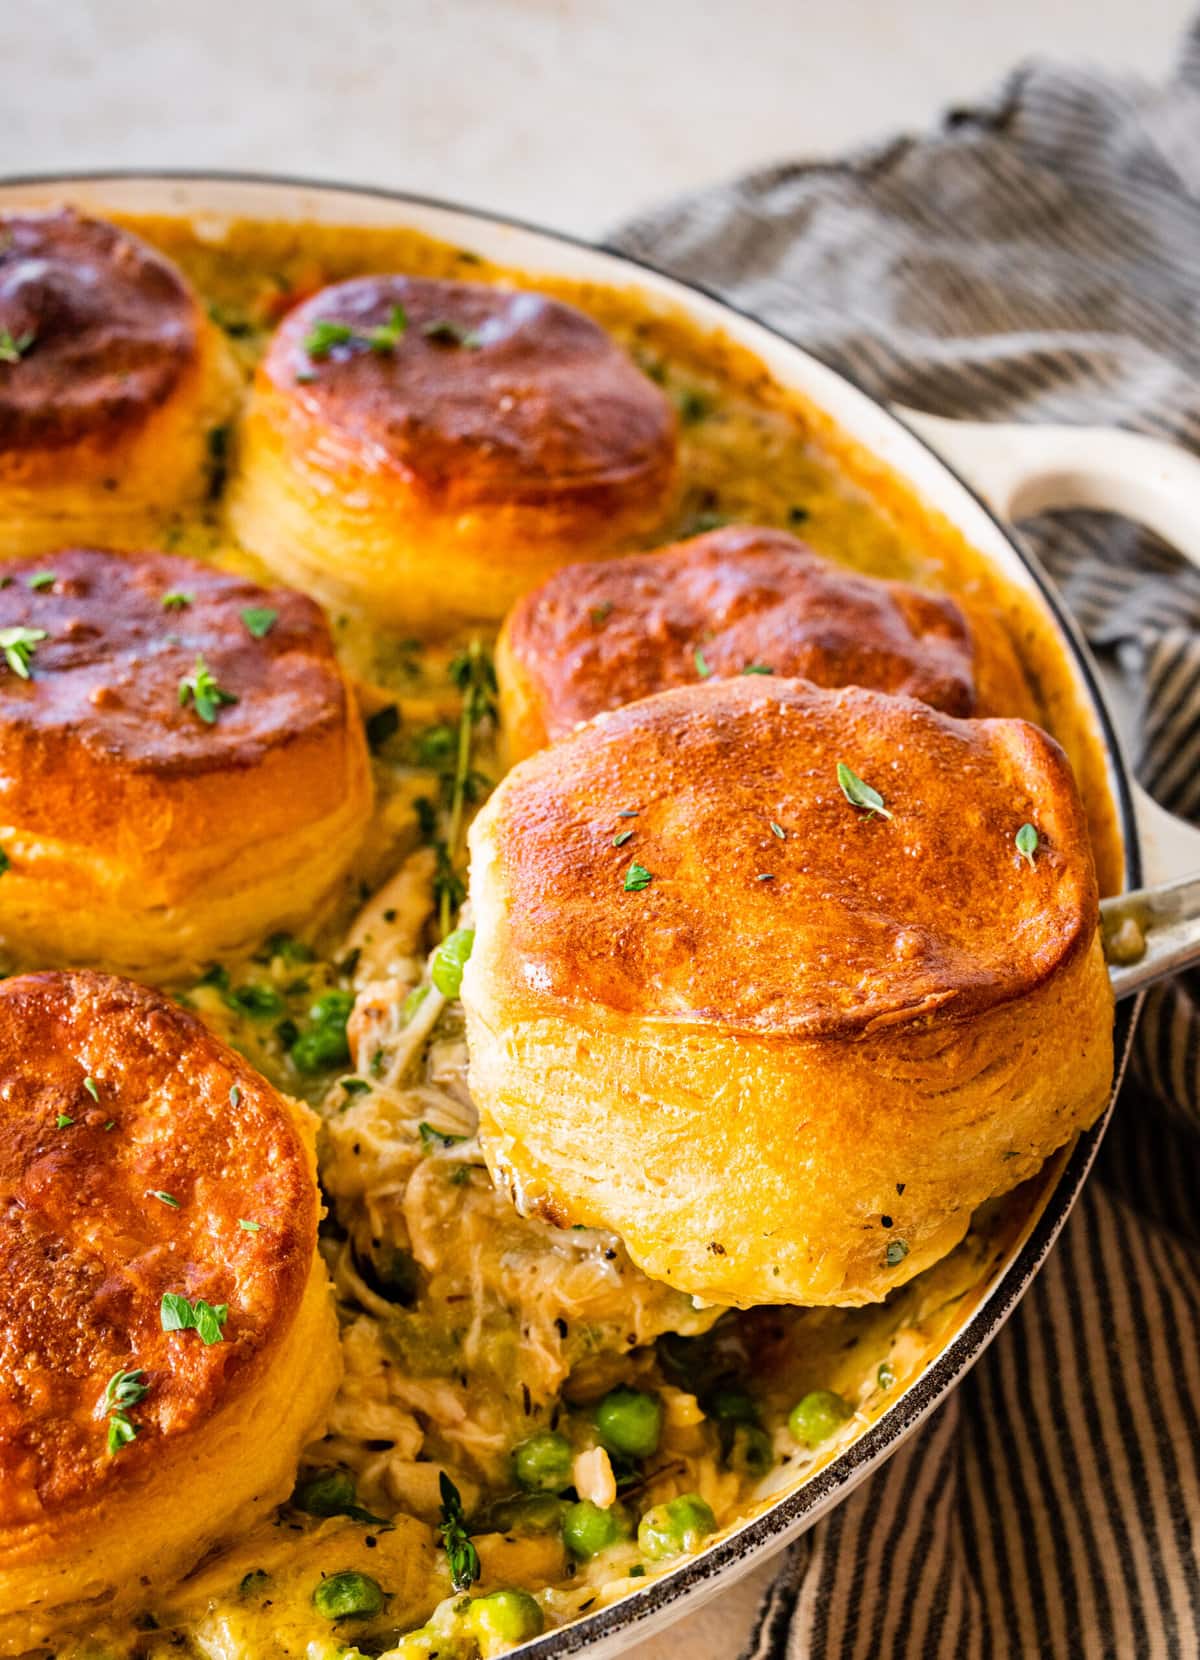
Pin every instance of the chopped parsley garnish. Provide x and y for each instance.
(5, 862)
(18, 645)
(758, 668)
(385, 337)
(235, 1095)
(637, 877)
(431, 1137)
(896, 1252)
(448, 333)
(90, 1085)
(63, 1120)
(621, 838)
(248, 1227)
(259, 620)
(14, 346)
(123, 1390)
(256, 999)
(1027, 843)
(42, 579)
(702, 668)
(778, 830)
(693, 406)
(629, 812)
(601, 613)
(357, 1086)
(860, 794)
(324, 335)
(165, 1198)
(177, 600)
(207, 697)
(327, 332)
(461, 1555)
(178, 1314)
(765, 876)
(885, 1376)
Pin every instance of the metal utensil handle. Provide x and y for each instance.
(1151, 933)
(1023, 470)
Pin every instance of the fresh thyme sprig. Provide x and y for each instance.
(461, 1554)
(18, 645)
(123, 1390)
(473, 674)
(14, 346)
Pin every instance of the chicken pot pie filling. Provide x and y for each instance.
(528, 1427)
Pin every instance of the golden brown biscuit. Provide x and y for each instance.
(137, 833)
(142, 1159)
(595, 636)
(782, 1045)
(432, 449)
(112, 380)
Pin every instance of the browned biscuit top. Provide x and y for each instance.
(692, 859)
(113, 641)
(96, 330)
(473, 393)
(600, 634)
(133, 1148)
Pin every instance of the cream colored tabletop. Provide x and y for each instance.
(570, 112)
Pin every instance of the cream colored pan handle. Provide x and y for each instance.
(1023, 470)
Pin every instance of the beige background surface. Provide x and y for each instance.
(574, 112)
(563, 111)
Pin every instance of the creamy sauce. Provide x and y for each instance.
(466, 1328)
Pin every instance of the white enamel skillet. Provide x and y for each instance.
(979, 476)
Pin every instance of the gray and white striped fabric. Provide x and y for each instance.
(1037, 259)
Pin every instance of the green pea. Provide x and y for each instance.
(324, 1043)
(345, 1595)
(732, 1406)
(678, 1526)
(674, 1528)
(320, 1047)
(326, 1493)
(332, 1008)
(815, 1418)
(502, 1618)
(449, 960)
(543, 1463)
(750, 1451)
(629, 1421)
(531, 1513)
(587, 1530)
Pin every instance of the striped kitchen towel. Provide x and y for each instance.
(1036, 259)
